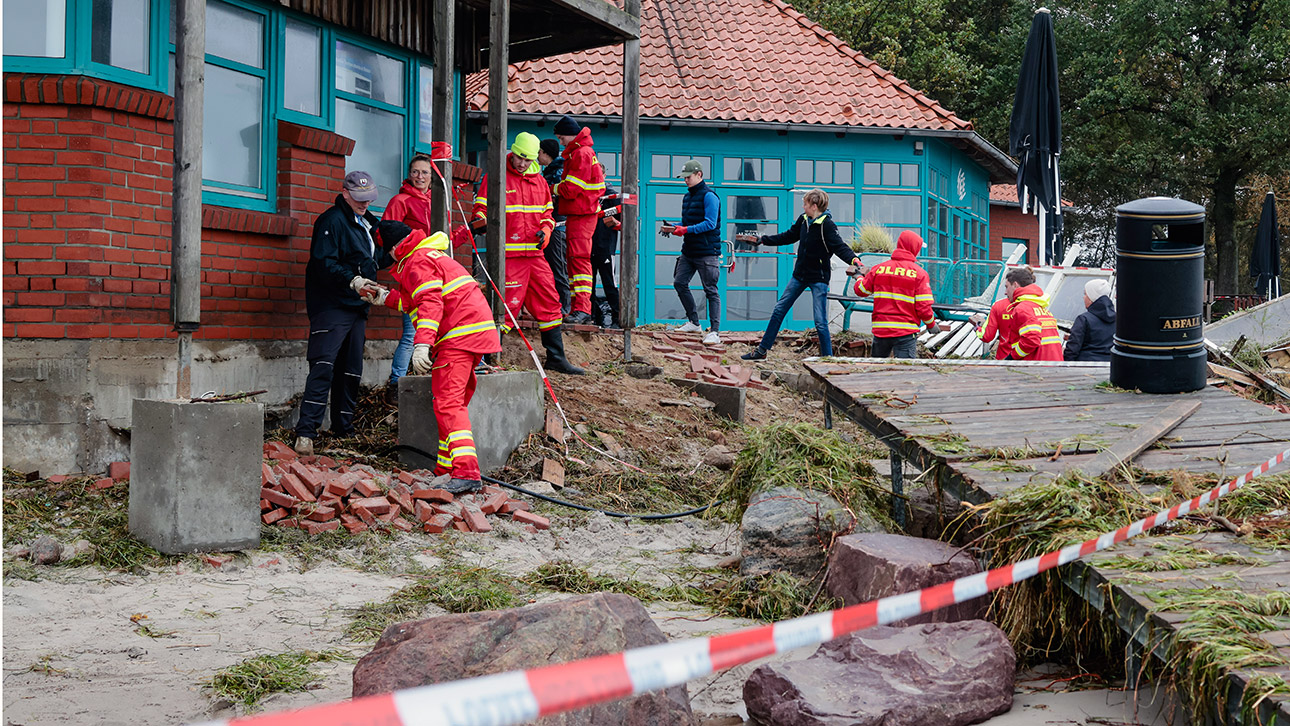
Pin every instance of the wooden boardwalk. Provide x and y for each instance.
(984, 428)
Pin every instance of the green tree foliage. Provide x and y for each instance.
(1172, 97)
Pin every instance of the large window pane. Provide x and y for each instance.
(909, 175)
(678, 162)
(805, 171)
(425, 104)
(843, 208)
(750, 304)
(371, 75)
(668, 306)
(893, 209)
(378, 147)
(668, 206)
(872, 174)
(659, 165)
(35, 28)
(891, 175)
(755, 272)
(303, 64)
(770, 170)
(119, 34)
(235, 34)
(231, 134)
(823, 172)
(842, 172)
(748, 207)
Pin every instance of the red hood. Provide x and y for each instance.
(408, 244)
(1032, 290)
(582, 139)
(908, 245)
(410, 190)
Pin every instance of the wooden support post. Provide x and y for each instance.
(441, 115)
(629, 261)
(186, 200)
(498, 63)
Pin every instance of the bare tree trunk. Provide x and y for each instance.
(1223, 222)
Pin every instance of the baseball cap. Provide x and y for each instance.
(360, 186)
(691, 167)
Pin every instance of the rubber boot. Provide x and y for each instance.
(464, 486)
(553, 341)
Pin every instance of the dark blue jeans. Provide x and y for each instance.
(335, 355)
(710, 275)
(819, 310)
(403, 353)
(902, 346)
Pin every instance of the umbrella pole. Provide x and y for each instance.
(1043, 234)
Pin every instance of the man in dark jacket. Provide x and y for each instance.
(604, 245)
(1094, 329)
(819, 242)
(700, 251)
(552, 170)
(343, 259)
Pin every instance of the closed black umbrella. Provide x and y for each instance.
(1265, 260)
(1035, 131)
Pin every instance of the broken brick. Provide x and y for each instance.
(437, 523)
(402, 524)
(296, 488)
(405, 477)
(321, 514)
(217, 561)
(119, 470)
(310, 476)
(279, 498)
(424, 511)
(375, 505)
(434, 495)
(389, 516)
(354, 527)
(327, 461)
(267, 477)
(340, 486)
(659, 348)
(514, 505)
(363, 514)
(317, 527)
(698, 364)
(264, 504)
(476, 522)
(493, 504)
(273, 515)
(402, 498)
(366, 488)
(530, 518)
(460, 526)
(278, 450)
(103, 483)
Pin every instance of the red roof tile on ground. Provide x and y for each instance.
(725, 60)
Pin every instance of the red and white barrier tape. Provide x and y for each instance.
(518, 696)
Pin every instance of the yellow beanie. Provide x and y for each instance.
(526, 145)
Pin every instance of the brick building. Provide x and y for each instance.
(298, 92)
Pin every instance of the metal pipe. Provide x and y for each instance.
(186, 199)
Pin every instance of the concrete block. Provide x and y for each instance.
(506, 408)
(730, 400)
(195, 475)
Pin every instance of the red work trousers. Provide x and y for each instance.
(530, 285)
(452, 381)
(578, 231)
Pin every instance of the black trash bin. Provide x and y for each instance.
(1159, 342)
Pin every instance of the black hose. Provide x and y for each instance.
(572, 505)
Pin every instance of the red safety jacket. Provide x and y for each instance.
(901, 290)
(410, 206)
(1030, 329)
(584, 181)
(528, 209)
(442, 299)
(993, 327)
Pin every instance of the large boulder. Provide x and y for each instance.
(866, 567)
(789, 529)
(453, 647)
(945, 674)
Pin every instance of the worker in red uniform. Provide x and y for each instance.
(579, 191)
(529, 282)
(902, 299)
(455, 329)
(987, 327)
(1027, 324)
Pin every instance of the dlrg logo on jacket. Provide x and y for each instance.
(901, 271)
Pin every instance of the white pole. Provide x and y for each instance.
(1043, 233)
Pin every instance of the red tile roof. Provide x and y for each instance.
(726, 60)
(1006, 194)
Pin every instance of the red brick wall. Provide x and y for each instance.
(87, 171)
(1009, 222)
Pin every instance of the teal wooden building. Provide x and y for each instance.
(773, 105)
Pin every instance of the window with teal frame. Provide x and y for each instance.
(117, 40)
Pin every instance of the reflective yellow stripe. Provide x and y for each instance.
(580, 277)
(463, 451)
(1029, 329)
(891, 325)
(1016, 348)
(521, 246)
(883, 295)
(921, 298)
(1046, 341)
(461, 330)
(1040, 300)
(864, 290)
(549, 324)
(429, 285)
(527, 208)
(459, 435)
(481, 200)
(453, 285)
(428, 325)
(589, 187)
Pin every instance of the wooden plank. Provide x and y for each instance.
(624, 24)
(499, 19)
(441, 121)
(629, 262)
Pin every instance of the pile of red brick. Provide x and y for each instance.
(705, 362)
(316, 494)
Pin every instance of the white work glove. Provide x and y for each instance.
(374, 295)
(420, 359)
(358, 283)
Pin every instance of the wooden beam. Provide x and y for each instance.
(1127, 449)
(629, 261)
(441, 115)
(498, 61)
(627, 25)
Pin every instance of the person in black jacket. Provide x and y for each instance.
(820, 241)
(604, 245)
(555, 252)
(1094, 329)
(343, 259)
